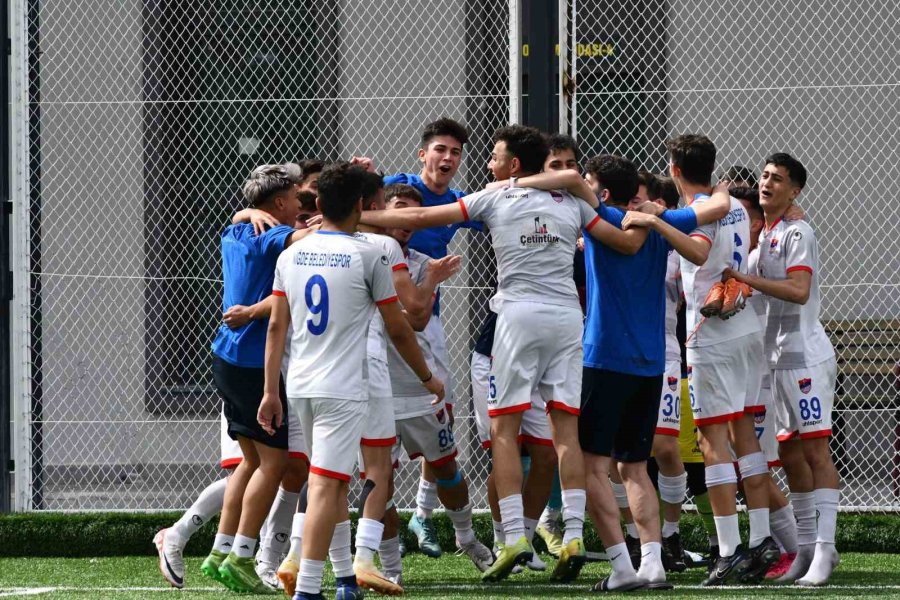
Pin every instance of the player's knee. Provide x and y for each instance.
(752, 465)
(667, 453)
(818, 454)
(295, 474)
(543, 458)
(671, 489)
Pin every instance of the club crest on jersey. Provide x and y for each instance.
(673, 383)
(773, 246)
(542, 231)
(805, 385)
(690, 372)
(441, 416)
(760, 417)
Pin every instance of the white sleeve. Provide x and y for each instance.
(476, 206)
(395, 255)
(379, 277)
(799, 251)
(278, 284)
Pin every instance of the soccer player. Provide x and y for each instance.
(722, 370)
(331, 273)
(538, 325)
(804, 367)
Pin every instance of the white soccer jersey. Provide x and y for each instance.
(332, 282)
(794, 336)
(756, 302)
(673, 294)
(411, 399)
(377, 343)
(729, 240)
(533, 233)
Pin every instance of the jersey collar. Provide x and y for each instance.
(774, 225)
(333, 233)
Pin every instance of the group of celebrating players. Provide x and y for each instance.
(332, 357)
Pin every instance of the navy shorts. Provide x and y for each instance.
(241, 389)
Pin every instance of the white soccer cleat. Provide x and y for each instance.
(267, 573)
(478, 553)
(171, 559)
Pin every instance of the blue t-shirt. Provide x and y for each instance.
(248, 268)
(626, 299)
(434, 240)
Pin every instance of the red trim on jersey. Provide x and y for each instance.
(774, 225)
(330, 474)
(400, 267)
(799, 268)
(278, 293)
(556, 404)
(443, 460)
(755, 409)
(719, 419)
(378, 442)
(816, 434)
(783, 437)
(592, 223)
(387, 301)
(462, 207)
(774, 463)
(530, 439)
(700, 236)
(230, 463)
(508, 410)
(667, 431)
(299, 455)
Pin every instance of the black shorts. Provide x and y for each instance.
(241, 389)
(618, 414)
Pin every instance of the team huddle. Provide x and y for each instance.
(332, 359)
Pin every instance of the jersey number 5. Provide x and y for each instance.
(317, 308)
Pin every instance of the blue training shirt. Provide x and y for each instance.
(248, 268)
(626, 299)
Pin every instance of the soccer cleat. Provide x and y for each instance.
(781, 566)
(571, 559)
(171, 560)
(800, 564)
(394, 577)
(762, 557)
(508, 557)
(712, 559)
(496, 552)
(211, 564)
(634, 551)
(736, 294)
(478, 553)
(267, 574)
(673, 554)
(714, 300)
(287, 575)
(426, 535)
(238, 575)
(305, 596)
(729, 568)
(369, 577)
(552, 536)
(347, 588)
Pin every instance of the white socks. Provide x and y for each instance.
(622, 570)
(207, 505)
(309, 579)
(827, 506)
(573, 514)
(728, 533)
(368, 538)
(462, 524)
(632, 531)
(389, 552)
(278, 526)
(651, 569)
(339, 551)
(530, 525)
(759, 525)
(669, 528)
(244, 547)
(223, 543)
(513, 518)
(296, 537)
(805, 511)
(426, 499)
(499, 536)
(784, 528)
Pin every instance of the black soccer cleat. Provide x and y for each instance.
(762, 557)
(729, 568)
(673, 554)
(634, 551)
(712, 559)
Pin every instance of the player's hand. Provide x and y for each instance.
(497, 185)
(436, 387)
(314, 223)
(579, 243)
(650, 208)
(635, 218)
(261, 220)
(730, 273)
(721, 188)
(365, 162)
(794, 213)
(237, 316)
(270, 412)
(442, 269)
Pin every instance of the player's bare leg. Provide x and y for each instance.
(274, 537)
(801, 483)
(327, 503)
(672, 481)
(827, 496)
(370, 529)
(389, 550)
(632, 537)
(564, 427)
(453, 491)
(536, 491)
(645, 507)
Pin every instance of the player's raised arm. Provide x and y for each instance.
(270, 413)
(694, 247)
(404, 340)
(415, 218)
(622, 241)
(569, 180)
(715, 208)
(239, 315)
(418, 300)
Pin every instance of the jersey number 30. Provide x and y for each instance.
(317, 309)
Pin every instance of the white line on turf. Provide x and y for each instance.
(27, 591)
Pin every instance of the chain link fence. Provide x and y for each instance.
(138, 120)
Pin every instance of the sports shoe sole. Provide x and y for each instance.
(568, 571)
(159, 540)
(519, 560)
(288, 580)
(378, 584)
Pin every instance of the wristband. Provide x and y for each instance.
(429, 378)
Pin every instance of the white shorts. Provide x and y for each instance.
(231, 450)
(536, 346)
(535, 427)
(764, 423)
(803, 400)
(379, 428)
(441, 356)
(724, 379)
(335, 428)
(428, 436)
(668, 421)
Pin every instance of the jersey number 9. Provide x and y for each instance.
(317, 308)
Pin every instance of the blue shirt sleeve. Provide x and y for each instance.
(682, 219)
(392, 179)
(609, 215)
(273, 240)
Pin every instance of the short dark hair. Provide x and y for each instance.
(615, 173)
(266, 182)
(695, 156)
(557, 142)
(796, 170)
(445, 126)
(307, 202)
(649, 181)
(751, 195)
(525, 143)
(372, 182)
(739, 173)
(402, 190)
(340, 188)
(668, 191)
(311, 166)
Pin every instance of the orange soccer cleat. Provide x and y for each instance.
(736, 294)
(715, 299)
